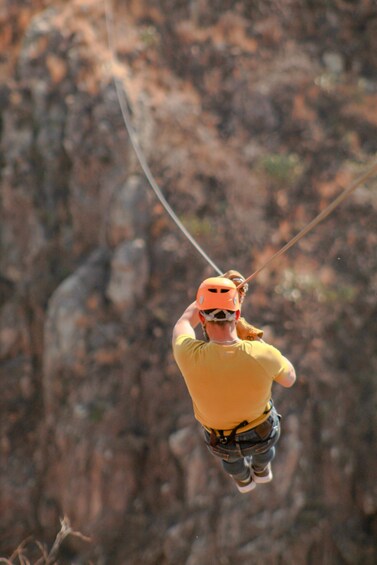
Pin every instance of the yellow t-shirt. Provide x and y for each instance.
(228, 383)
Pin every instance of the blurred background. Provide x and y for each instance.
(253, 117)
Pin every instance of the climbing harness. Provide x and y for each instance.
(139, 154)
(263, 429)
(156, 189)
(218, 436)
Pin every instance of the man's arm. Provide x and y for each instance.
(187, 322)
(287, 377)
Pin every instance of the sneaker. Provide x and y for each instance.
(264, 476)
(245, 486)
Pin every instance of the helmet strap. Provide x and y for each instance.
(205, 335)
(211, 317)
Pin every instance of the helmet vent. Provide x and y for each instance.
(222, 290)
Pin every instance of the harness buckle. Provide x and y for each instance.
(220, 437)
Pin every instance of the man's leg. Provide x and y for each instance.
(261, 466)
(261, 460)
(239, 470)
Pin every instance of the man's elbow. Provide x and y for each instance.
(175, 334)
(291, 378)
(287, 379)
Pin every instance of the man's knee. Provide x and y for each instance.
(260, 460)
(237, 468)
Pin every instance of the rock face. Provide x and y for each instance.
(253, 117)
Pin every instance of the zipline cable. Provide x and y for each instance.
(148, 174)
(330, 208)
(140, 156)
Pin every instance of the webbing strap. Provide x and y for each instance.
(223, 438)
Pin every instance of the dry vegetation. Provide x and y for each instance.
(27, 552)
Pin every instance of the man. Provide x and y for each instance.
(229, 380)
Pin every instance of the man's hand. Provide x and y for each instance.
(237, 278)
(187, 322)
(247, 331)
(244, 329)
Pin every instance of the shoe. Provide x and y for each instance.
(264, 476)
(248, 484)
(245, 486)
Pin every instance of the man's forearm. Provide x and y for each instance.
(187, 322)
(191, 314)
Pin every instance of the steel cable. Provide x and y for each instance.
(156, 189)
(139, 153)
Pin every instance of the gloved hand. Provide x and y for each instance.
(247, 331)
(237, 278)
(244, 329)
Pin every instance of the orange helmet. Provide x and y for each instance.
(218, 293)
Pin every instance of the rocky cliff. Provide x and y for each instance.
(253, 116)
